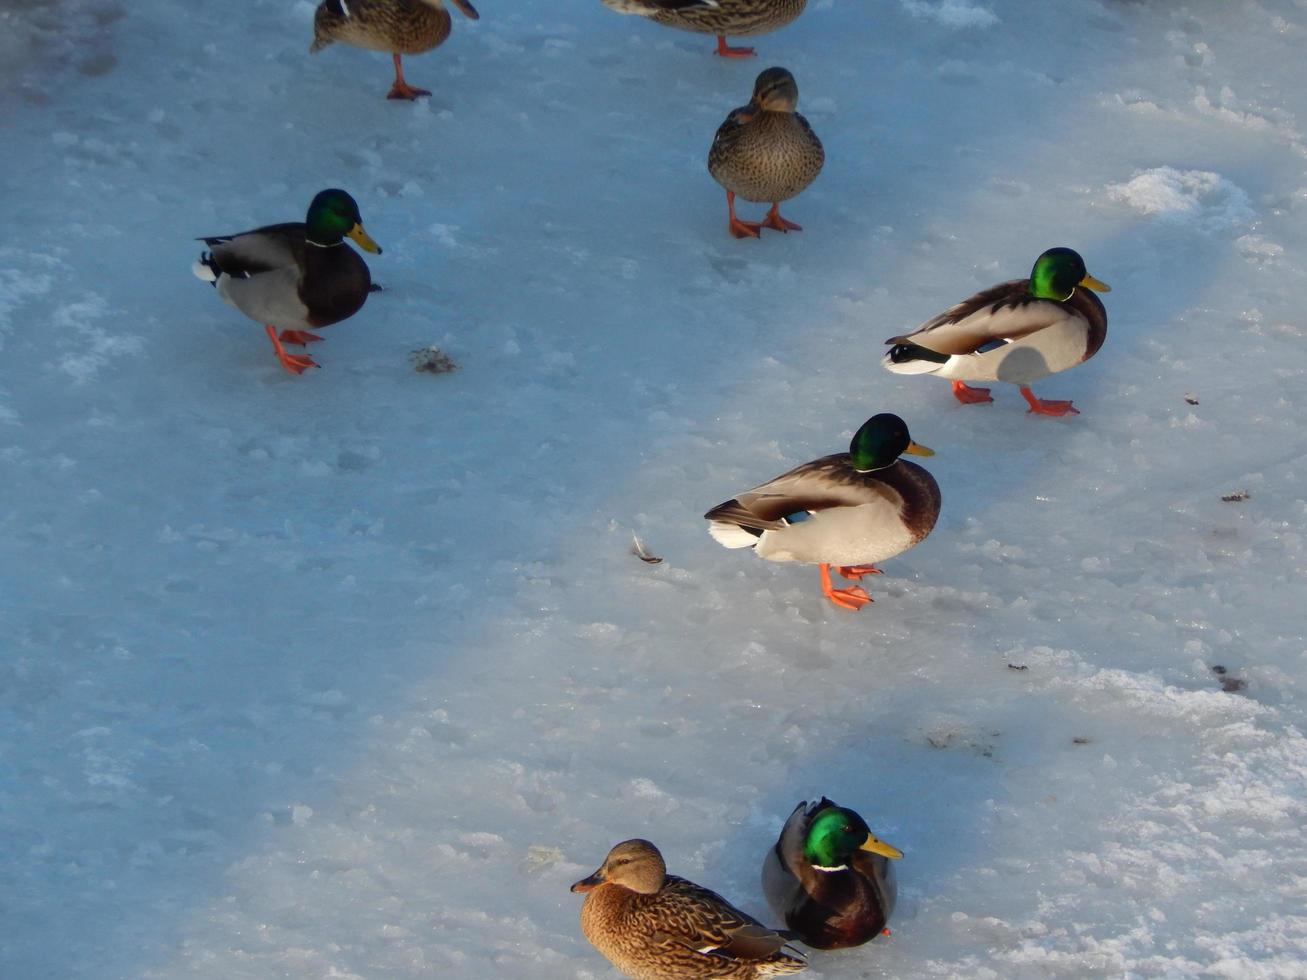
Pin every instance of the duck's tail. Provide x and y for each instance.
(207, 269)
(906, 358)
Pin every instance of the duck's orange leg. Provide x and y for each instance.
(1041, 407)
(726, 51)
(300, 337)
(402, 89)
(774, 220)
(856, 572)
(294, 363)
(738, 228)
(853, 597)
(970, 396)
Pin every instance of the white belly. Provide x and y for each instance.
(859, 535)
(1022, 362)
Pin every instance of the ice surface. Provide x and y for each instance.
(351, 675)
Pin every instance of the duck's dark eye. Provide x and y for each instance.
(848, 829)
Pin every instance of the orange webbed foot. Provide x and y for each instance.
(402, 90)
(854, 597)
(856, 572)
(1041, 407)
(744, 229)
(294, 363)
(300, 337)
(970, 396)
(774, 220)
(726, 51)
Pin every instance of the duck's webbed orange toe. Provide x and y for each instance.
(774, 220)
(402, 90)
(970, 396)
(294, 363)
(1041, 407)
(854, 597)
(744, 229)
(726, 51)
(856, 572)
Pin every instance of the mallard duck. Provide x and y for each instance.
(397, 26)
(829, 877)
(1018, 331)
(720, 17)
(656, 926)
(849, 510)
(765, 152)
(299, 277)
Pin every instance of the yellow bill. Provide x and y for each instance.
(878, 846)
(364, 240)
(1089, 282)
(916, 449)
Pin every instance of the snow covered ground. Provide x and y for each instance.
(351, 675)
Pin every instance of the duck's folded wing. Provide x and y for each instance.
(1004, 313)
(261, 250)
(695, 918)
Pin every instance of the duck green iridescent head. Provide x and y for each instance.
(333, 214)
(835, 833)
(775, 90)
(882, 439)
(1058, 272)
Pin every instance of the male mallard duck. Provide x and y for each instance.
(720, 17)
(765, 151)
(849, 510)
(1018, 331)
(397, 26)
(655, 926)
(294, 276)
(828, 877)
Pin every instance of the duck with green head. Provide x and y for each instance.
(829, 878)
(297, 276)
(656, 926)
(848, 510)
(1018, 331)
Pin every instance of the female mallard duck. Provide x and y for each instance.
(849, 510)
(295, 276)
(765, 152)
(655, 926)
(829, 877)
(1018, 331)
(720, 17)
(397, 26)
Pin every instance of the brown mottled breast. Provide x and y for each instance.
(765, 156)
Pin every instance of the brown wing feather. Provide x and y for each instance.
(1011, 295)
(693, 917)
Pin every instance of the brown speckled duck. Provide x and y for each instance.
(398, 26)
(720, 17)
(765, 152)
(849, 510)
(655, 926)
(297, 276)
(829, 877)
